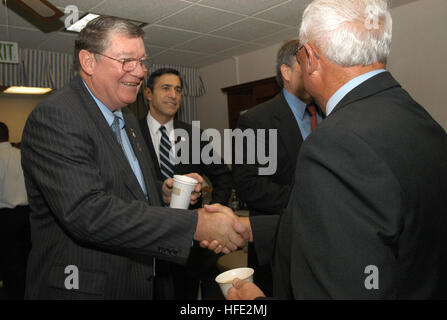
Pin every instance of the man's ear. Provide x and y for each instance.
(87, 61)
(148, 94)
(285, 72)
(313, 58)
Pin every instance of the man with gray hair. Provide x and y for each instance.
(370, 222)
(288, 113)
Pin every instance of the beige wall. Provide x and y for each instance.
(419, 53)
(417, 60)
(14, 110)
(212, 107)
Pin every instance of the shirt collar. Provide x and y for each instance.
(154, 125)
(108, 115)
(348, 87)
(295, 103)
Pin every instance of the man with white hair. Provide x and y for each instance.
(366, 218)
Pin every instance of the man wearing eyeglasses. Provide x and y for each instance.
(98, 220)
(367, 216)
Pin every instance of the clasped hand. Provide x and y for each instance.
(218, 224)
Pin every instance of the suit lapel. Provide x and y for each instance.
(116, 151)
(148, 139)
(141, 152)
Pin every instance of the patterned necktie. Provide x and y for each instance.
(166, 165)
(116, 130)
(313, 115)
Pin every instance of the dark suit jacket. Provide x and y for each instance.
(369, 191)
(268, 195)
(200, 260)
(88, 209)
(219, 174)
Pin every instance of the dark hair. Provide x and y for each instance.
(4, 132)
(286, 55)
(95, 36)
(158, 73)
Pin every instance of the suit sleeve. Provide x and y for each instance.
(260, 192)
(346, 219)
(60, 158)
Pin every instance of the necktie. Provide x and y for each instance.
(116, 130)
(313, 115)
(166, 165)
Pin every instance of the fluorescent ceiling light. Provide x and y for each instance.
(27, 90)
(80, 24)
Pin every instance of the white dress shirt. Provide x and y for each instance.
(154, 129)
(12, 182)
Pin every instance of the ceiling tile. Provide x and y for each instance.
(287, 34)
(176, 57)
(289, 13)
(236, 51)
(208, 44)
(154, 50)
(247, 7)
(200, 19)
(249, 29)
(207, 60)
(167, 37)
(83, 5)
(148, 12)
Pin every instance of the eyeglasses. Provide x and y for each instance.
(296, 53)
(130, 64)
(301, 47)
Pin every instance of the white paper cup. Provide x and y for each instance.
(226, 278)
(181, 191)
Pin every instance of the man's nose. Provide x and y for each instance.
(139, 71)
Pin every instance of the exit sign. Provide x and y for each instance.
(9, 52)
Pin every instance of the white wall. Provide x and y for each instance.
(418, 61)
(14, 110)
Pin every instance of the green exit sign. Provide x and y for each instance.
(9, 52)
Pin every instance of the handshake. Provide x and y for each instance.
(218, 228)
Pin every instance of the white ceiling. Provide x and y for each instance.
(178, 32)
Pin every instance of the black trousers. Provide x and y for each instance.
(15, 244)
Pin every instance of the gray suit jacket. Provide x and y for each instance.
(87, 207)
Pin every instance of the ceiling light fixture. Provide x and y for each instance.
(27, 90)
(81, 23)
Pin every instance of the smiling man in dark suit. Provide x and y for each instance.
(367, 216)
(164, 89)
(98, 220)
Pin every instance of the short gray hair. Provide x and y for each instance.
(349, 32)
(95, 36)
(286, 55)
